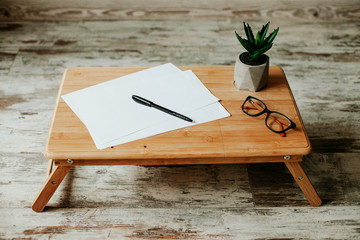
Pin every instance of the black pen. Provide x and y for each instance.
(148, 103)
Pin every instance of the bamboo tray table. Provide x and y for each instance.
(236, 139)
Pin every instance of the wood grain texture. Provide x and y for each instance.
(189, 223)
(317, 46)
(67, 10)
(238, 136)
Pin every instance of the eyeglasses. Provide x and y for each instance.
(275, 121)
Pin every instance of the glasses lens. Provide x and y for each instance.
(277, 122)
(253, 106)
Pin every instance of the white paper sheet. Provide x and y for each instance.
(208, 113)
(205, 114)
(112, 117)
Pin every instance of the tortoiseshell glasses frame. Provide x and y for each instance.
(258, 108)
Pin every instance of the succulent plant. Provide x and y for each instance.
(256, 46)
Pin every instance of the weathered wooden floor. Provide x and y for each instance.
(319, 48)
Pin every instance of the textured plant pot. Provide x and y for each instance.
(249, 77)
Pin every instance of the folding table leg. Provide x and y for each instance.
(304, 183)
(51, 184)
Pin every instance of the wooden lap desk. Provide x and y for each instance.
(236, 139)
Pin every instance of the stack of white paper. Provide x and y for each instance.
(113, 117)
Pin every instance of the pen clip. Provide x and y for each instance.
(142, 100)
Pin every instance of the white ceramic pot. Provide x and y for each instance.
(249, 77)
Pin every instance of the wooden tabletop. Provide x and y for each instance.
(232, 137)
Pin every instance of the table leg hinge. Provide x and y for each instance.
(287, 157)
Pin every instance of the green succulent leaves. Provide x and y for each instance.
(258, 45)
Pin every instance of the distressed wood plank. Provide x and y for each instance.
(7, 57)
(276, 187)
(185, 223)
(129, 186)
(308, 10)
(318, 47)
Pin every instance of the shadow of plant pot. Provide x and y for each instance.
(251, 77)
